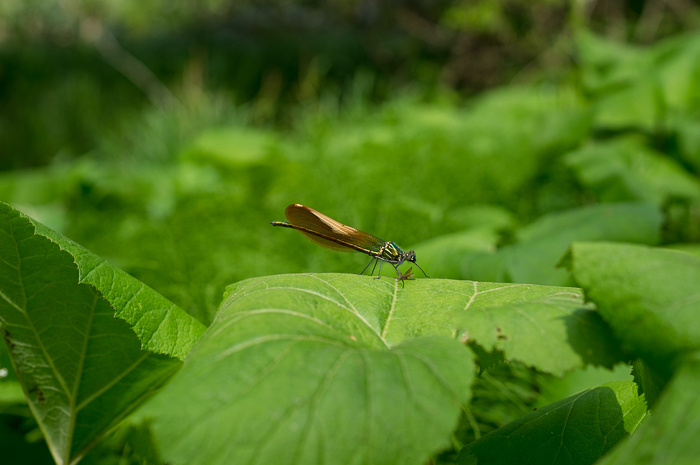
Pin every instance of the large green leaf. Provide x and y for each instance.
(351, 369)
(304, 369)
(81, 369)
(648, 296)
(576, 430)
(670, 437)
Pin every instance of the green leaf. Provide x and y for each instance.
(309, 369)
(161, 326)
(552, 389)
(541, 244)
(670, 437)
(291, 358)
(626, 169)
(82, 370)
(577, 430)
(648, 296)
(545, 327)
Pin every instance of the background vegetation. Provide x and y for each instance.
(487, 135)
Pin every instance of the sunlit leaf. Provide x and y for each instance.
(648, 296)
(670, 437)
(291, 358)
(81, 369)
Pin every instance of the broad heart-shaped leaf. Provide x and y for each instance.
(650, 297)
(670, 437)
(81, 369)
(541, 244)
(339, 368)
(576, 430)
(301, 369)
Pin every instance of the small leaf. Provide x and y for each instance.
(648, 296)
(577, 430)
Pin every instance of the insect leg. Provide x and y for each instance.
(379, 274)
(370, 262)
(375, 267)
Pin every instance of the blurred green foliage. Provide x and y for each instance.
(354, 109)
(72, 72)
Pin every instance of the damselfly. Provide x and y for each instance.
(331, 234)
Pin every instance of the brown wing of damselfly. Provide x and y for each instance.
(329, 233)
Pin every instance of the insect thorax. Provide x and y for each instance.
(390, 252)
